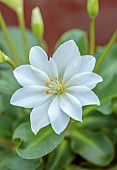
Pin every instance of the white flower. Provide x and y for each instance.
(56, 89)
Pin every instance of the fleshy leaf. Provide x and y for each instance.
(12, 161)
(61, 157)
(94, 147)
(107, 90)
(80, 38)
(31, 146)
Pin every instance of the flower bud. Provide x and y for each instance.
(2, 57)
(13, 4)
(37, 23)
(92, 8)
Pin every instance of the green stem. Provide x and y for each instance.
(8, 39)
(106, 51)
(10, 62)
(21, 21)
(92, 36)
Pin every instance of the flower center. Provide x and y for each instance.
(55, 86)
(58, 89)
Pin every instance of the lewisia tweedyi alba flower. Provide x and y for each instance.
(56, 89)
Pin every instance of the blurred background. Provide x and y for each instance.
(62, 15)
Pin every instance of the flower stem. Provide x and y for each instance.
(106, 51)
(10, 62)
(21, 21)
(92, 36)
(8, 39)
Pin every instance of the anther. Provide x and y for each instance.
(63, 87)
(48, 92)
(57, 78)
(47, 83)
(51, 79)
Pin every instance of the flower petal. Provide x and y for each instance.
(84, 95)
(28, 75)
(87, 64)
(85, 79)
(59, 120)
(64, 55)
(71, 69)
(71, 106)
(30, 96)
(39, 117)
(53, 68)
(39, 59)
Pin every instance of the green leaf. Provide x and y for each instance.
(114, 105)
(18, 163)
(96, 120)
(106, 93)
(75, 167)
(107, 90)
(108, 68)
(61, 157)
(95, 147)
(31, 146)
(8, 84)
(15, 35)
(80, 38)
(11, 161)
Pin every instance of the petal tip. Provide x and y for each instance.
(98, 103)
(34, 131)
(101, 79)
(12, 100)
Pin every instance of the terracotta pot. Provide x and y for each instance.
(62, 15)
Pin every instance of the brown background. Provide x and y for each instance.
(62, 15)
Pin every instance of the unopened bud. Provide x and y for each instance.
(92, 8)
(37, 23)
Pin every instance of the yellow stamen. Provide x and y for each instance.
(57, 78)
(47, 83)
(58, 94)
(47, 92)
(63, 87)
(51, 79)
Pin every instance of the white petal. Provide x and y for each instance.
(71, 106)
(28, 75)
(39, 117)
(39, 59)
(71, 69)
(64, 55)
(59, 120)
(84, 95)
(85, 79)
(53, 68)
(30, 96)
(87, 64)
